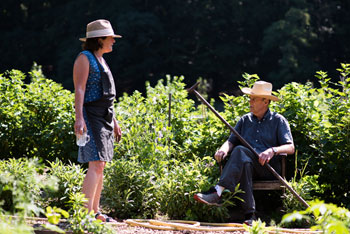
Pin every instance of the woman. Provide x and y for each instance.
(94, 112)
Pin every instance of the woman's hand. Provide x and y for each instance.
(79, 126)
(117, 131)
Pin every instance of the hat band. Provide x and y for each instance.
(100, 33)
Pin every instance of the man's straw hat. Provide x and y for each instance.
(99, 28)
(261, 89)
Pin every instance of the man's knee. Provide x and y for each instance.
(240, 154)
(239, 149)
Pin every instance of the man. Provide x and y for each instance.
(268, 133)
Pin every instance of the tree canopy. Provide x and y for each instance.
(281, 40)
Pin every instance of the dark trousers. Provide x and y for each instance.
(242, 167)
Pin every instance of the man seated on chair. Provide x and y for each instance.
(268, 133)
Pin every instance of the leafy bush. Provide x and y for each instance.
(70, 179)
(187, 135)
(21, 184)
(327, 218)
(14, 226)
(180, 182)
(129, 190)
(306, 186)
(81, 221)
(36, 118)
(320, 122)
(162, 156)
(161, 169)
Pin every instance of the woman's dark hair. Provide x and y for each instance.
(92, 44)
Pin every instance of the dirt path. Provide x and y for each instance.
(126, 229)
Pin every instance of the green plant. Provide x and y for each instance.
(326, 217)
(53, 215)
(320, 123)
(81, 220)
(14, 226)
(129, 190)
(21, 184)
(306, 186)
(36, 118)
(181, 181)
(70, 178)
(258, 227)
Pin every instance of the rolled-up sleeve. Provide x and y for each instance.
(284, 133)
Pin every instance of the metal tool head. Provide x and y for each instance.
(190, 90)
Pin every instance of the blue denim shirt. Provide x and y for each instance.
(271, 131)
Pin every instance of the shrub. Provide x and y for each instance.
(161, 154)
(14, 226)
(180, 182)
(163, 164)
(21, 183)
(70, 179)
(327, 218)
(129, 190)
(320, 123)
(36, 118)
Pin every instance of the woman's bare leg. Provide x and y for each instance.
(91, 183)
(97, 197)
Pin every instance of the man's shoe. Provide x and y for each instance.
(209, 197)
(249, 218)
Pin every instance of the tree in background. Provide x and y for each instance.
(283, 40)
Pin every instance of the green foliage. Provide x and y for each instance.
(320, 123)
(187, 134)
(14, 226)
(258, 227)
(327, 218)
(36, 118)
(164, 159)
(219, 41)
(306, 186)
(70, 178)
(53, 215)
(292, 38)
(129, 190)
(180, 182)
(81, 220)
(161, 169)
(21, 183)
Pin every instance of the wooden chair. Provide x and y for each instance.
(272, 184)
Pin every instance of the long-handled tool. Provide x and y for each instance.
(245, 143)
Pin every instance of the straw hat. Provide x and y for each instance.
(261, 89)
(99, 28)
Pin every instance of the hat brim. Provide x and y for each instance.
(115, 36)
(249, 92)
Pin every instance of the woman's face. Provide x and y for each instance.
(107, 44)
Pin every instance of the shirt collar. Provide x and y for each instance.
(266, 115)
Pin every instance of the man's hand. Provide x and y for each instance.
(266, 156)
(220, 155)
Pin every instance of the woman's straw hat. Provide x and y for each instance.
(261, 89)
(99, 28)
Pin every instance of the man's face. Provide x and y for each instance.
(258, 105)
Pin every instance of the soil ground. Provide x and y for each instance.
(126, 229)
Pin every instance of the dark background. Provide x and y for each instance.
(280, 40)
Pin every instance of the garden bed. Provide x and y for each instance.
(124, 227)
